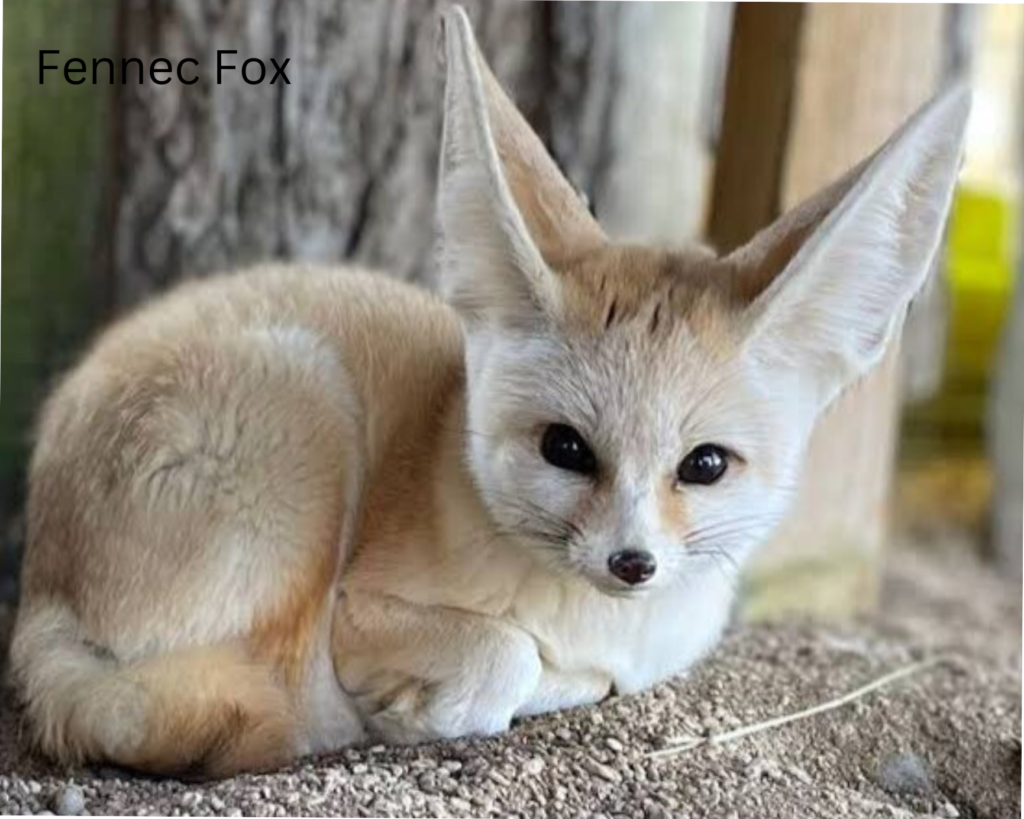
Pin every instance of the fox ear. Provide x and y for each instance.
(506, 213)
(834, 277)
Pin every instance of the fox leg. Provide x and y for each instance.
(419, 673)
(559, 689)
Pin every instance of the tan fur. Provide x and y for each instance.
(274, 513)
(619, 283)
(191, 432)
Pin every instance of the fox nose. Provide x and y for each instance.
(632, 566)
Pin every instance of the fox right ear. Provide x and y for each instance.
(834, 277)
(506, 214)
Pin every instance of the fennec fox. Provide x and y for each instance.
(281, 512)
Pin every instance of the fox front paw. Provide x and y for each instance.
(422, 711)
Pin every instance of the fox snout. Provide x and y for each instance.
(633, 566)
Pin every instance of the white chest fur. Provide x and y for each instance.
(631, 643)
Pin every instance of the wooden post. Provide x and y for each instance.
(1006, 437)
(845, 76)
(763, 62)
(1006, 424)
(657, 169)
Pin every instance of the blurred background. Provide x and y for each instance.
(680, 122)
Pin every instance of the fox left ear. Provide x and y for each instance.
(506, 214)
(834, 277)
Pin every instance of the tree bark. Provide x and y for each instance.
(341, 163)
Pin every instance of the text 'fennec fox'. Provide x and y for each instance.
(289, 510)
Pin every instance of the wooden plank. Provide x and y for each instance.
(760, 83)
(1006, 427)
(1007, 442)
(856, 71)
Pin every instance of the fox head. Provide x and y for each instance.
(636, 415)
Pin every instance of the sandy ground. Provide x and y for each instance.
(944, 742)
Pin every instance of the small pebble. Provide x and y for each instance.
(755, 768)
(904, 773)
(70, 801)
(603, 771)
(533, 766)
(191, 800)
(473, 766)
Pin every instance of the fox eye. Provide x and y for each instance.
(564, 447)
(705, 465)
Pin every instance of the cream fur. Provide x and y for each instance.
(275, 513)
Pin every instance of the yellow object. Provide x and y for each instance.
(980, 272)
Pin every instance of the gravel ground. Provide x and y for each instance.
(944, 742)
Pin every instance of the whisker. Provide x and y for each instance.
(717, 556)
(716, 527)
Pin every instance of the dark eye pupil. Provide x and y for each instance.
(704, 465)
(564, 447)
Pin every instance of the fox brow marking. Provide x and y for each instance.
(610, 316)
(655, 318)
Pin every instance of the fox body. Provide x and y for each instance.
(283, 511)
